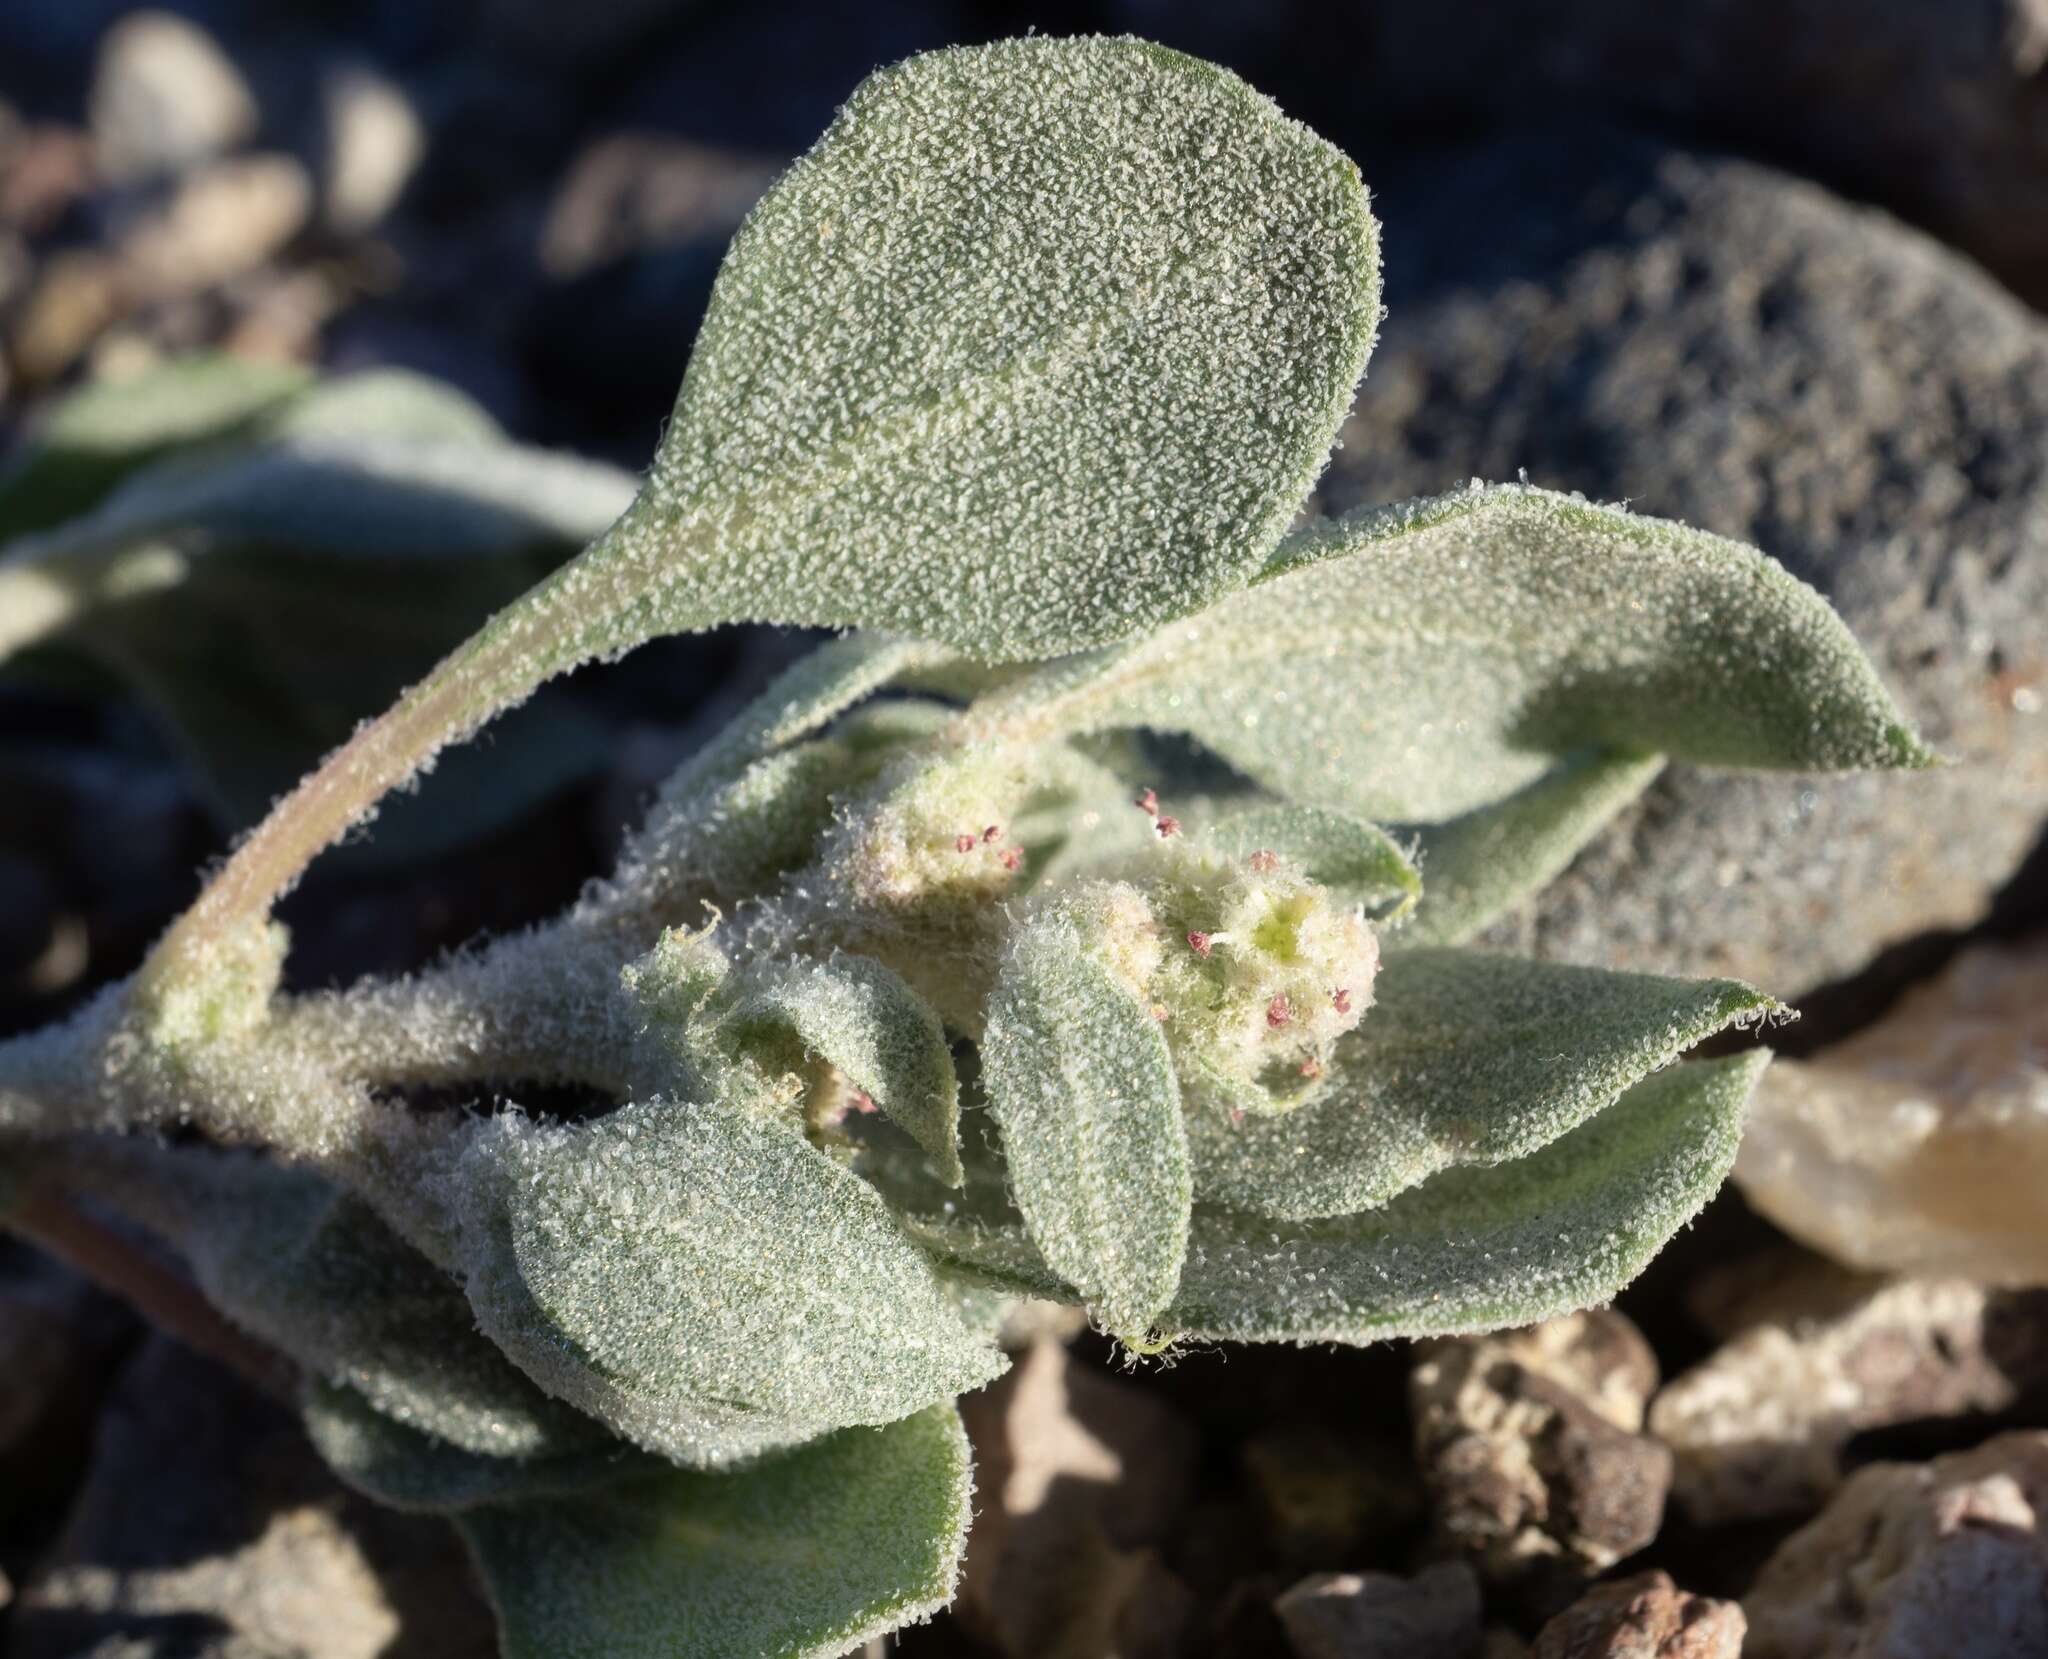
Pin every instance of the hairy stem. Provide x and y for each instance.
(592, 605)
(161, 1295)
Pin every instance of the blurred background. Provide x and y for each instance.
(1775, 267)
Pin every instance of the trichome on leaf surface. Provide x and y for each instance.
(1086, 922)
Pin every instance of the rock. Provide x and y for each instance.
(632, 191)
(1434, 1615)
(43, 169)
(1947, 1557)
(1530, 1444)
(375, 141)
(1714, 342)
(165, 97)
(1082, 1480)
(218, 224)
(1921, 1144)
(1759, 1428)
(77, 294)
(207, 1526)
(1644, 1617)
(1326, 1497)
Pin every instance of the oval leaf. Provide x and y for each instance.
(1464, 1058)
(315, 1273)
(1421, 661)
(1042, 344)
(705, 1282)
(1480, 1249)
(1080, 1082)
(813, 1552)
(407, 1468)
(1360, 863)
(881, 1035)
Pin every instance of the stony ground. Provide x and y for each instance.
(1777, 270)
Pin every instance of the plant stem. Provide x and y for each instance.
(552, 628)
(164, 1297)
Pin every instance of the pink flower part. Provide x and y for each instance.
(1168, 826)
(993, 833)
(1148, 803)
(1198, 942)
(964, 843)
(1278, 1013)
(1342, 1000)
(1262, 861)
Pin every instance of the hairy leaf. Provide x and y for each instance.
(1421, 661)
(1080, 1082)
(812, 1552)
(97, 435)
(265, 600)
(408, 1468)
(1041, 344)
(1480, 863)
(881, 1036)
(704, 1281)
(1360, 863)
(1465, 1058)
(315, 1273)
(1479, 1249)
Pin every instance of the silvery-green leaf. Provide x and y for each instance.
(1464, 1058)
(97, 435)
(1360, 863)
(404, 498)
(1479, 1249)
(385, 403)
(704, 1281)
(1080, 1082)
(407, 1468)
(315, 1273)
(1479, 863)
(1042, 344)
(265, 602)
(1422, 661)
(813, 1552)
(882, 1036)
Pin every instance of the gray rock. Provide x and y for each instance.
(1529, 1442)
(208, 1527)
(1434, 1615)
(1913, 1559)
(1644, 1617)
(375, 140)
(164, 97)
(1713, 342)
(1818, 1355)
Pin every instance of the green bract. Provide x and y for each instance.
(1089, 926)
